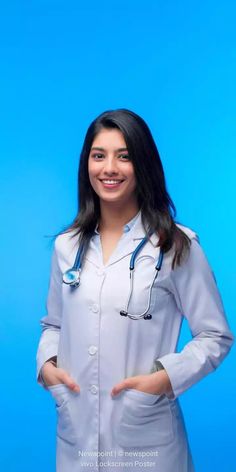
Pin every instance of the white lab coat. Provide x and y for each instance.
(99, 348)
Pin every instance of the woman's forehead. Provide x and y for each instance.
(109, 137)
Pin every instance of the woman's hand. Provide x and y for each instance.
(157, 383)
(53, 375)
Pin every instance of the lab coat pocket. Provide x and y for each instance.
(65, 428)
(146, 420)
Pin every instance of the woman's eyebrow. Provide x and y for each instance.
(95, 148)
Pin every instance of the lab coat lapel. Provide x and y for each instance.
(131, 240)
(125, 246)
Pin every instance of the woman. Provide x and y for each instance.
(107, 352)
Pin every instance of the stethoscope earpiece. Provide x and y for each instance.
(145, 317)
(123, 313)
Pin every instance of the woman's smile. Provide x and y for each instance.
(111, 183)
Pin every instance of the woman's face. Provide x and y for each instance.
(110, 169)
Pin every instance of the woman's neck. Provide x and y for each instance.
(113, 217)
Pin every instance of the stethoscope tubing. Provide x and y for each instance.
(72, 277)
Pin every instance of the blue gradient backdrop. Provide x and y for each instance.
(62, 63)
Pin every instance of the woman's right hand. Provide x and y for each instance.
(53, 375)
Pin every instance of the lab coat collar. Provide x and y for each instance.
(127, 227)
(126, 246)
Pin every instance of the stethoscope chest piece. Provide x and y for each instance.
(72, 277)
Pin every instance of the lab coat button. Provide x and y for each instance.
(93, 389)
(95, 308)
(92, 350)
(100, 272)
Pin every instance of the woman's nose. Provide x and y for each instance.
(110, 165)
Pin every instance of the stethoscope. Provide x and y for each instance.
(72, 277)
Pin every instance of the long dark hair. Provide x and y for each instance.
(157, 209)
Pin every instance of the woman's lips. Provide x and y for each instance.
(111, 183)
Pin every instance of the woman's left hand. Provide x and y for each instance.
(157, 383)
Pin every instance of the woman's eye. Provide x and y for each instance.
(97, 156)
(124, 157)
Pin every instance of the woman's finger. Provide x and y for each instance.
(130, 382)
(68, 381)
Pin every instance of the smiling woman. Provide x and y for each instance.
(114, 373)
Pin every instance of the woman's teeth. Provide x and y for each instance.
(111, 181)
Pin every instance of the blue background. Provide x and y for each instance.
(62, 63)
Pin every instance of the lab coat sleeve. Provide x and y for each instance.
(197, 296)
(51, 323)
